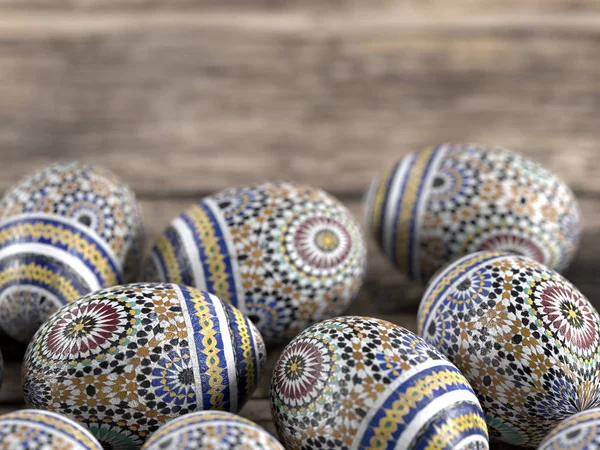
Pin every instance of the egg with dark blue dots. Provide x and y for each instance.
(353, 383)
(527, 340)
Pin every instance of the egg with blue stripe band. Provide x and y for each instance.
(578, 432)
(212, 429)
(65, 231)
(32, 429)
(444, 202)
(127, 359)
(359, 382)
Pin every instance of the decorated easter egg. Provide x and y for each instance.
(286, 255)
(212, 429)
(65, 231)
(357, 382)
(127, 359)
(31, 429)
(526, 339)
(439, 204)
(578, 432)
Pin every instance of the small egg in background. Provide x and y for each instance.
(286, 255)
(31, 429)
(125, 360)
(214, 430)
(358, 382)
(578, 432)
(65, 231)
(526, 339)
(439, 204)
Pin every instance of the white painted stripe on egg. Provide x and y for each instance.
(405, 375)
(76, 264)
(422, 199)
(75, 224)
(228, 344)
(191, 249)
(437, 404)
(235, 268)
(391, 205)
(193, 349)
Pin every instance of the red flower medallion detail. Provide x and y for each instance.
(303, 371)
(88, 329)
(318, 245)
(568, 316)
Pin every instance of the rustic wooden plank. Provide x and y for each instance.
(316, 6)
(184, 104)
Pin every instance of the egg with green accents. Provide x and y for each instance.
(125, 360)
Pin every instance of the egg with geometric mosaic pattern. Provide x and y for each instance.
(527, 340)
(444, 202)
(578, 432)
(31, 429)
(357, 382)
(211, 430)
(287, 255)
(65, 231)
(125, 360)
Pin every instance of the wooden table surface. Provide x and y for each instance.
(182, 98)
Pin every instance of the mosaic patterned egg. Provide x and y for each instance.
(127, 359)
(286, 255)
(212, 429)
(578, 432)
(356, 382)
(31, 429)
(526, 339)
(439, 204)
(65, 231)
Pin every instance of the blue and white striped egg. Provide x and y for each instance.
(212, 430)
(356, 382)
(65, 231)
(444, 202)
(127, 359)
(37, 429)
(286, 255)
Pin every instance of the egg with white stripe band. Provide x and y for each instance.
(127, 359)
(65, 231)
(285, 254)
(441, 203)
(212, 430)
(358, 382)
(32, 429)
(581, 431)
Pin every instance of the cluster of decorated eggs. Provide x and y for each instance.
(508, 348)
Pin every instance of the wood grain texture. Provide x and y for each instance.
(184, 104)
(458, 7)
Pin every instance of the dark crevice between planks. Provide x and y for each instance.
(344, 196)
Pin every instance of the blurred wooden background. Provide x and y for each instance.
(183, 98)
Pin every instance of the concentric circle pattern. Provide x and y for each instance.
(125, 360)
(287, 255)
(526, 339)
(444, 202)
(212, 430)
(357, 382)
